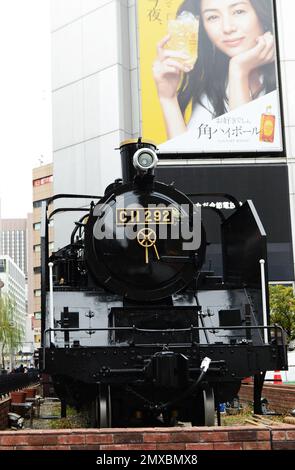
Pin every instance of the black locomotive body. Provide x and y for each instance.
(133, 327)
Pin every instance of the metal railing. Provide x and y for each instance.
(15, 381)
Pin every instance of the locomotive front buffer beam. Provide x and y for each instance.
(158, 363)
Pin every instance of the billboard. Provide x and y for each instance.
(271, 200)
(209, 76)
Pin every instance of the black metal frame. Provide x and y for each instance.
(235, 352)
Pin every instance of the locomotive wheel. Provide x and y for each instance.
(204, 415)
(209, 407)
(104, 407)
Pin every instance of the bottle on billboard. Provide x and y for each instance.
(267, 126)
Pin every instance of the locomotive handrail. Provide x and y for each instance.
(70, 196)
(263, 295)
(176, 330)
(67, 209)
(191, 329)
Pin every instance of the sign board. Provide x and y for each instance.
(209, 76)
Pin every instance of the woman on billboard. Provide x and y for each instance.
(234, 62)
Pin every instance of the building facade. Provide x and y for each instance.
(96, 103)
(42, 190)
(14, 282)
(14, 241)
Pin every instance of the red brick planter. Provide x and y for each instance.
(30, 392)
(18, 397)
(4, 410)
(225, 438)
(281, 398)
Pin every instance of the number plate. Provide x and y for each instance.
(143, 216)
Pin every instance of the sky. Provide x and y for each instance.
(25, 100)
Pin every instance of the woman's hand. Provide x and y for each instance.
(243, 77)
(262, 53)
(167, 70)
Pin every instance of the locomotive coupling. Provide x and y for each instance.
(168, 369)
(144, 160)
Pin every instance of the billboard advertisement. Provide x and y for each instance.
(209, 76)
(271, 200)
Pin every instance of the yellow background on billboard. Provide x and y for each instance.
(153, 16)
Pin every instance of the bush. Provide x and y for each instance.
(282, 308)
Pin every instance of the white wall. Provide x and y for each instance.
(91, 96)
(286, 13)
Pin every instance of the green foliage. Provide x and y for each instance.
(11, 334)
(282, 308)
(73, 420)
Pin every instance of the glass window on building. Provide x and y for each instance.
(38, 204)
(2, 265)
(37, 226)
(37, 292)
(37, 315)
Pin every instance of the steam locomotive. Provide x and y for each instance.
(134, 328)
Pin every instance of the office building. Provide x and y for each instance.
(14, 282)
(42, 190)
(14, 241)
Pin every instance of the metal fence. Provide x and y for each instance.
(11, 382)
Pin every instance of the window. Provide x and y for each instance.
(37, 270)
(37, 248)
(51, 246)
(37, 204)
(37, 226)
(37, 315)
(2, 265)
(37, 292)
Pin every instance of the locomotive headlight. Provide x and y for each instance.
(145, 159)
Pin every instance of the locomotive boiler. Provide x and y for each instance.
(134, 328)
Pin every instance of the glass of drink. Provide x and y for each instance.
(184, 32)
